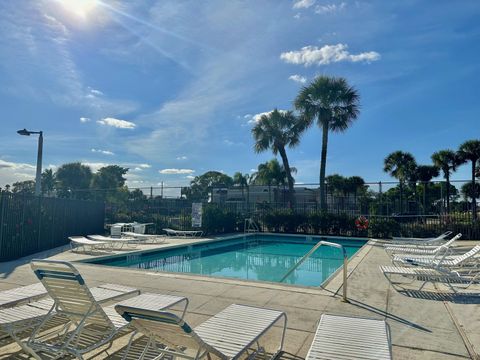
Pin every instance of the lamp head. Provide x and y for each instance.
(24, 132)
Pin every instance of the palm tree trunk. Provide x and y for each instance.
(323, 165)
(474, 193)
(286, 165)
(447, 177)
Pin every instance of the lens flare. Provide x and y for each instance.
(81, 8)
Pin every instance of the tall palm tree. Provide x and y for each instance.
(447, 161)
(271, 173)
(242, 181)
(470, 151)
(277, 131)
(425, 174)
(332, 104)
(401, 165)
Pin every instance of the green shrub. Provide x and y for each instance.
(217, 221)
(383, 228)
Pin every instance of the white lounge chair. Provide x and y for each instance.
(227, 335)
(183, 233)
(420, 241)
(23, 294)
(115, 243)
(80, 242)
(421, 249)
(89, 325)
(453, 278)
(20, 321)
(452, 261)
(345, 337)
(159, 239)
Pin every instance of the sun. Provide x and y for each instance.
(81, 8)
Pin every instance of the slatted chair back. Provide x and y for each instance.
(71, 295)
(452, 240)
(167, 329)
(468, 255)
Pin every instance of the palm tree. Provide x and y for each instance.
(271, 173)
(447, 161)
(48, 182)
(333, 104)
(242, 181)
(277, 131)
(470, 151)
(425, 174)
(401, 165)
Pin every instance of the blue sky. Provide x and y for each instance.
(170, 89)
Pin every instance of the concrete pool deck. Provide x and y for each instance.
(428, 324)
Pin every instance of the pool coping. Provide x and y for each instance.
(355, 260)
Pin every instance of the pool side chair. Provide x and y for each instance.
(453, 278)
(421, 249)
(421, 241)
(158, 239)
(23, 294)
(115, 243)
(346, 337)
(183, 233)
(20, 321)
(468, 259)
(80, 243)
(230, 334)
(89, 324)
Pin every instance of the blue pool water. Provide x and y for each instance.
(257, 258)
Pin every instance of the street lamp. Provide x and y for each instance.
(38, 177)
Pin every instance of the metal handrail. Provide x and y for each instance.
(307, 255)
(250, 226)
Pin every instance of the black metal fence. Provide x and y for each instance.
(30, 224)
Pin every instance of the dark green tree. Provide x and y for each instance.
(446, 161)
(400, 165)
(469, 151)
(425, 174)
(48, 182)
(74, 179)
(201, 185)
(26, 187)
(277, 131)
(333, 105)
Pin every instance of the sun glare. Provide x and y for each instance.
(81, 8)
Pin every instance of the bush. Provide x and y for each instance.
(383, 228)
(216, 221)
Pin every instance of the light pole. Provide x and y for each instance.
(38, 176)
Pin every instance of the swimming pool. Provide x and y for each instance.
(258, 257)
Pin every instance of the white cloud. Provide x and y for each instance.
(104, 152)
(329, 8)
(313, 55)
(144, 166)
(190, 177)
(117, 123)
(297, 16)
(298, 78)
(253, 119)
(303, 4)
(96, 92)
(11, 172)
(183, 157)
(85, 119)
(176, 171)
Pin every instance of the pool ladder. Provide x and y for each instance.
(315, 248)
(250, 225)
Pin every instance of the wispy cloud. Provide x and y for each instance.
(303, 4)
(313, 55)
(104, 152)
(11, 172)
(85, 119)
(330, 8)
(253, 119)
(176, 171)
(183, 157)
(117, 123)
(298, 78)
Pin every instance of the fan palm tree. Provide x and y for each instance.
(447, 161)
(242, 181)
(277, 131)
(425, 174)
(271, 173)
(401, 165)
(332, 104)
(470, 151)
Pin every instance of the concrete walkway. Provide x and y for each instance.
(424, 325)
